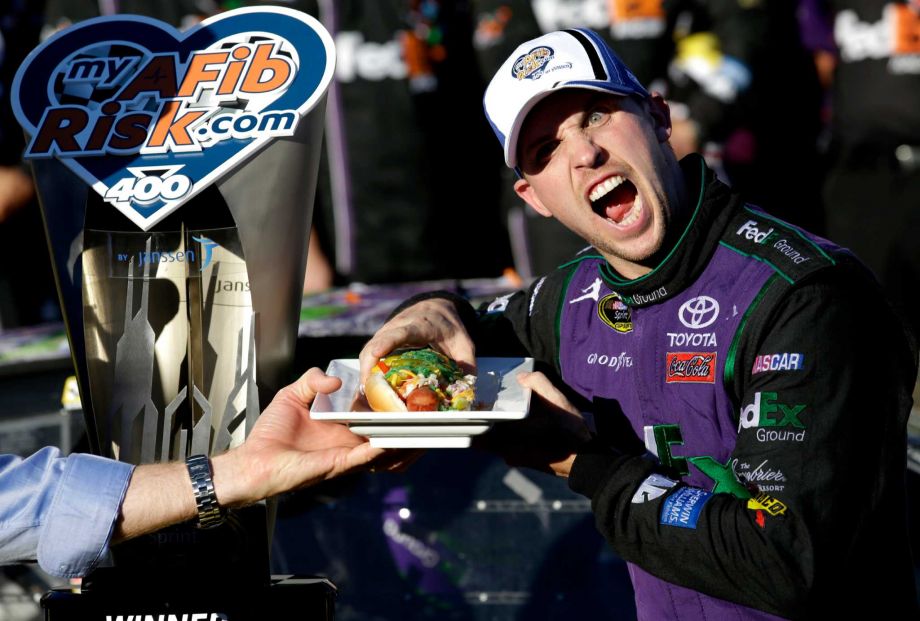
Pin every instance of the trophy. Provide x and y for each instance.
(176, 173)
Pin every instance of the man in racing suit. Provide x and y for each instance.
(749, 383)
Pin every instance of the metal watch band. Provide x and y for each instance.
(199, 470)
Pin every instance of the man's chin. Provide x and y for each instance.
(645, 257)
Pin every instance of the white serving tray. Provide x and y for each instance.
(498, 397)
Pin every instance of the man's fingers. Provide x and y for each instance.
(541, 385)
(462, 351)
(396, 460)
(391, 336)
(457, 346)
(312, 382)
(433, 322)
(568, 418)
(382, 343)
(361, 456)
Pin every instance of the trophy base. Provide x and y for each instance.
(311, 597)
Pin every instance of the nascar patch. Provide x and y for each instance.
(786, 361)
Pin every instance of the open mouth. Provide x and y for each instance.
(615, 200)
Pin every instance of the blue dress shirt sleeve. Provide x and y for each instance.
(59, 510)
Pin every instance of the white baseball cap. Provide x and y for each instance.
(574, 58)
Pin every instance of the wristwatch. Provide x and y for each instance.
(199, 470)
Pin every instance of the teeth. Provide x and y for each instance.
(631, 216)
(606, 187)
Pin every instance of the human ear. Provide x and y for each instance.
(661, 116)
(523, 189)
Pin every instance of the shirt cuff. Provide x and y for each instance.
(83, 513)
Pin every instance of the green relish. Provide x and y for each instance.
(424, 361)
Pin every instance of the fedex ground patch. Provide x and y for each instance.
(683, 507)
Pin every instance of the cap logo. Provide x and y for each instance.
(530, 65)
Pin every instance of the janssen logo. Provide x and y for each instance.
(154, 257)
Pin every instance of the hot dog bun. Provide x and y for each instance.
(381, 396)
(418, 380)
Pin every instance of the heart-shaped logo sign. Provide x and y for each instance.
(150, 116)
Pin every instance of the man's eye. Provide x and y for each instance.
(596, 117)
(544, 151)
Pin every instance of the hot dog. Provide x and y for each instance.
(419, 380)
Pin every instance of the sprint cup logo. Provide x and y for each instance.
(149, 116)
(530, 65)
(614, 312)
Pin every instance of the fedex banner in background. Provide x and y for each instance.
(149, 116)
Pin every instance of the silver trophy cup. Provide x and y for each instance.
(179, 260)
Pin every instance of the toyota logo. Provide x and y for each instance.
(698, 312)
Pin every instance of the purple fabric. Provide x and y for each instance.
(600, 361)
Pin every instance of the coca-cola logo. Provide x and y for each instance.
(691, 367)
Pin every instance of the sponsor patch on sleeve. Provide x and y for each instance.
(786, 361)
(788, 250)
(653, 487)
(499, 304)
(765, 502)
(683, 507)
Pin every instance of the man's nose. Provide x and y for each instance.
(586, 152)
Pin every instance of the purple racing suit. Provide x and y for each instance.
(751, 395)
